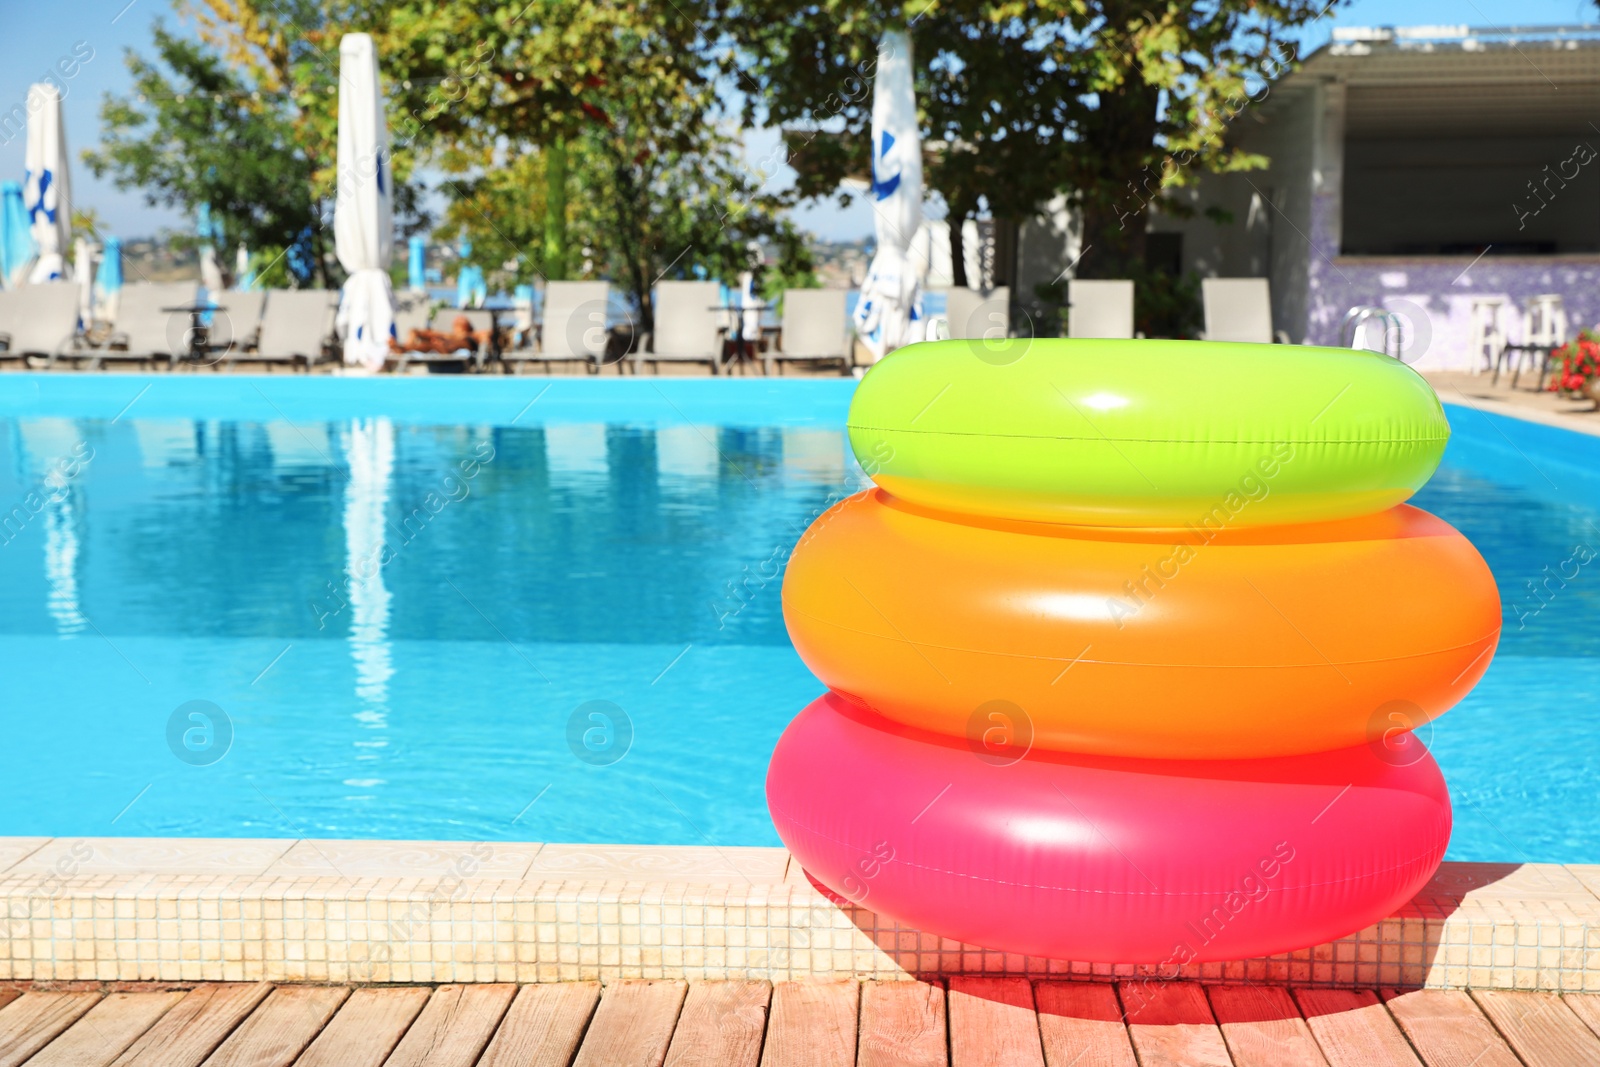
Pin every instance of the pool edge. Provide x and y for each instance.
(177, 909)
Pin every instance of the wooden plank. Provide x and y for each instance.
(1080, 1025)
(281, 1028)
(1171, 1024)
(454, 1027)
(903, 1025)
(193, 1028)
(812, 1024)
(544, 1025)
(1540, 1027)
(33, 1020)
(633, 1024)
(1353, 1029)
(721, 1024)
(8, 995)
(1447, 1029)
(106, 1030)
(1263, 1028)
(367, 1028)
(992, 1023)
(1585, 1006)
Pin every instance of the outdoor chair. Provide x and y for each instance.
(1239, 309)
(1100, 309)
(38, 320)
(973, 315)
(1488, 333)
(236, 323)
(146, 329)
(815, 330)
(572, 330)
(688, 326)
(1544, 329)
(296, 329)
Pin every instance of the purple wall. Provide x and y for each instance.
(1433, 294)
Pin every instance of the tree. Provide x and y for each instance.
(649, 210)
(480, 76)
(245, 119)
(995, 97)
(1114, 102)
(619, 100)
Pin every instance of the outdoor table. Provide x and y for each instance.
(741, 344)
(197, 329)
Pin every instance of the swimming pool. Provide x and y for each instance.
(548, 609)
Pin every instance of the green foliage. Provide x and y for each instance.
(244, 119)
(1111, 101)
(628, 93)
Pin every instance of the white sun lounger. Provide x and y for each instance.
(1100, 309)
(39, 320)
(815, 330)
(572, 328)
(1239, 309)
(977, 316)
(688, 326)
(296, 328)
(146, 330)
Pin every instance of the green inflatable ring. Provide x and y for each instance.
(1146, 433)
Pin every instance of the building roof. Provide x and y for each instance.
(1450, 80)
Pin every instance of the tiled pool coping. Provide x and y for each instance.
(183, 909)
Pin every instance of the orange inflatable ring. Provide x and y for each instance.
(1194, 644)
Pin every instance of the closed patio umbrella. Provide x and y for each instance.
(108, 280)
(417, 265)
(16, 243)
(244, 279)
(363, 212)
(210, 234)
(890, 298)
(46, 187)
(84, 253)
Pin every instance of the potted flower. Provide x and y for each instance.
(1579, 373)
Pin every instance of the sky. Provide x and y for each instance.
(35, 35)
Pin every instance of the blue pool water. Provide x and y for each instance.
(443, 608)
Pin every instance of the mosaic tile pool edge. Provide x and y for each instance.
(596, 912)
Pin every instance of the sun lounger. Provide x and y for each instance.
(688, 326)
(1239, 309)
(976, 316)
(573, 328)
(38, 320)
(147, 330)
(482, 323)
(296, 329)
(815, 330)
(410, 313)
(236, 323)
(1100, 309)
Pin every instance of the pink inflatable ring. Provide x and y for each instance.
(1100, 859)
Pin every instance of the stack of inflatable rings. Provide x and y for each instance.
(1124, 650)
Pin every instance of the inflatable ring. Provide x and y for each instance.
(1104, 861)
(1204, 644)
(1146, 433)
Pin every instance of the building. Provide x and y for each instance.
(1416, 169)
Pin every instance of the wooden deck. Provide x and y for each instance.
(974, 1022)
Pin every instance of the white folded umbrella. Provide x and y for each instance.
(47, 189)
(890, 298)
(363, 211)
(84, 253)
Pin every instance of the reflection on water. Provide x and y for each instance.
(570, 532)
(369, 450)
